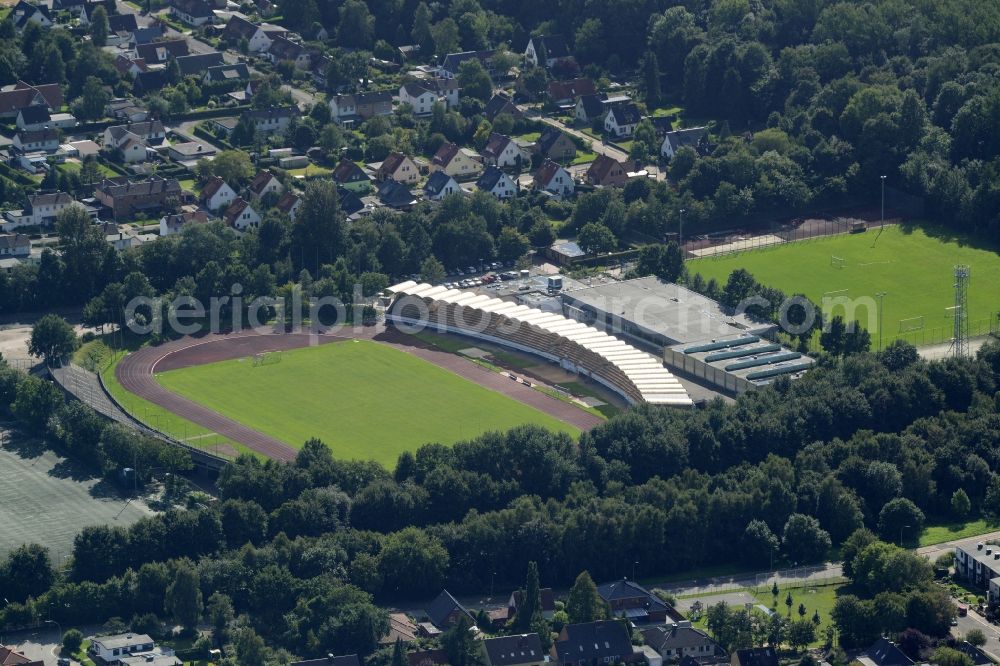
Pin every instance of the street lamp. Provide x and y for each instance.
(634, 564)
(904, 527)
(880, 295)
(882, 219)
(680, 230)
(58, 626)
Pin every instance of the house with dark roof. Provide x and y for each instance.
(122, 23)
(516, 650)
(216, 194)
(196, 63)
(677, 139)
(193, 12)
(555, 145)
(452, 61)
(24, 13)
(22, 95)
(496, 182)
(282, 48)
(622, 119)
(883, 653)
(504, 152)
(428, 658)
(161, 52)
(548, 602)
(630, 600)
(264, 183)
(606, 171)
(397, 166)
(150, 81)
(755, 657)
(330, 660)
(459, 163)
(501, 103)
(33, 141)
(677, 640)
(396, 195)
(235, 74)
(289, 204)
(150, 132)
(588, 643)
(563, 93)
(422, 95)
(352, 177)
(174, 223)
(33, 118)
(350, 202)
(552, 178)
(39, 210)
(125, 198)
(272, 119)
(439, 185)
(348, 109)
(240, 215)
(978, 657)
(445, 611)
(146, 35)
(258, 37)
(552, 47)
(590, 108)
(14, 245)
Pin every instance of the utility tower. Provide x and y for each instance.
(960, 338)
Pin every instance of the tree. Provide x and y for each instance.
(760, 544)
(651, 79)
(445, 35)
(899, 519)
(584, 604)
(976, 637)
(461, 645)
(250, 648)
(319, 234)
(511, 244)
(183, 598)
(52, 338)
(665, 261)
(531, 600)
(412, 563)
(474, 80)
(93, 100)
(595, 238)
(801, 633)
(72, 639)
(232, 166)
(789, 602)
(357, 25)
(645, 146)
(432, 270)
(27, 572)
(960, 504)
(398, 651)
(803, 540)
(946, 656)
(220, 614)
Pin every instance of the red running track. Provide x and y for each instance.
(135, 373)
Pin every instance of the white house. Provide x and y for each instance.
(44, 140)
(150, 133)
(217, 195)
(265, 183)
(33, 118)
(289, 205)
(554, 179)
(134, 150)
(440, 185)
(554, 48)
(258, 37)
(112, 648)
(241, 216)
(496, 182)
(621, 120)
(674, 141)
(422, 95)
(502, 151)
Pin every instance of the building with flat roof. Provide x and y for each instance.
(980, 566)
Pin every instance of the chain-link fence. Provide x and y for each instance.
(941, 334)
(736, 241)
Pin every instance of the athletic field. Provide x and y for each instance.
(366, 400)
(913, 269)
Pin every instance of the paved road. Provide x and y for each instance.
(975, 621)
(597, 146)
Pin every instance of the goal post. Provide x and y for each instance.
(911, 324)
(837, 262)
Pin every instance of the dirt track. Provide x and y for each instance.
(135, 373)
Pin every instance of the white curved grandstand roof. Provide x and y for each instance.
(646, 373)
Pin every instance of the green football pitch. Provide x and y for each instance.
(916, 272)
(365, 400)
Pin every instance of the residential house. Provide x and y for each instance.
(189, 151)
(122, 24)
(496, 182)
(33, 141)
(401, 628)
(347, 109)
(606, 171)
(273, 119)
(9, 657)
(350, 202)
(126, 198)
(564, 93)
(240, 215)
(436, 657)
(662, 124)
(422, 95)
(193, 12)
(548, 602)
(216, 194)
(444, 612)
(589, 643)
(501, 103)
(161, 52)
(439, 185)
(150, 81)
(264, 183)
(282, 48)
(504, 152)
(127, 65)
(590, 108)
(21, 95)
(628, 599)
(39, 210)
(33, 118)
(146, 35)
(150, 132)
(554, 179)
(516, 650)
(452, 61)
(112, 648)
(196, 63)
(174, 224)
(330, 660)
(24, 13)
(677, 139)
(883, 653)
(14, 245)
(460, 163)
(127, 110)
(677, 640)
(553, 47)
(622, 119)
(237, 72)
(396, 195)
(555, 145)
(289, 204)
(351, 177)
(397, 166)
(754, 657)
(133, 150)
(978, 657)
(90, 5)
(160, 656)
(258, 37)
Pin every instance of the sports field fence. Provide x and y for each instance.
(800, 230)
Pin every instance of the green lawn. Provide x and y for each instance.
(310, 171)
(529, 137)
(367, 401)
(914, 269)
(584, 157)
(934, 534)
